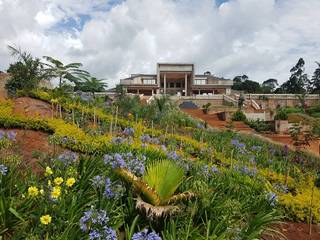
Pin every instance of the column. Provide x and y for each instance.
(138, 91)
(164, 83)
(186, 84)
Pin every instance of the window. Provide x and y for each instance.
(171, 85)
(178, 85)
(200, 82)
(149, 81)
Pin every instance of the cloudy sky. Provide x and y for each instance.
(113, 38)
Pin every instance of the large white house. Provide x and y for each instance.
(176, 79)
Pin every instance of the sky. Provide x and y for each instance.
(114, 38)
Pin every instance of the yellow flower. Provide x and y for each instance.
(33, 191)
(58, 181)
(49, 182)
(48, 171)
(70, 182)
(56, 192)
(41, 191)
(45, 219)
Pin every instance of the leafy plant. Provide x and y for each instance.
(238, 116)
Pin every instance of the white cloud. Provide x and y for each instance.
(260, 38)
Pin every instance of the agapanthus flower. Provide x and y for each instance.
(11, 135)
(172, 155)
(144, 235)
(68, 158)
(285, 150)
(136, 166)
(256, 148)
(272, 198)
(97, 181)
(3, 170)
(281, 188)
(247, 171)
(94, 234)
(118, 140)
(2, 134)
(108, 192)
(129, 131)
(118, 161)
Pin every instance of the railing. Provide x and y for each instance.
(230, 100)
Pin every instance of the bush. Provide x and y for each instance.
(205, 108)
(259, 126)
(238, 116)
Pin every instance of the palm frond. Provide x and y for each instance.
(181, 197)
(164, 177)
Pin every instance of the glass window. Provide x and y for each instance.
(171, 85)
(149, 81)
(178, 85)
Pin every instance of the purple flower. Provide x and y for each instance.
(145, 138)
(235, 142)
(2, 134)
(118, 140)
(118, 161)
(285, 150)
(144, 235)
(129, 131)
(3, 170)
(11, 135)
(256, 148)
(68, 158)
(136, 166)
(94, 234)
(109, 233)
(108, 193)
(172, 155)
(97, 181)
(272, 198)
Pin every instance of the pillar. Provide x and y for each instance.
(185, 84)
(137, 91)
(164, 83)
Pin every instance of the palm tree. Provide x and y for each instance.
(156, 190)
(71, 71)
(91, 84)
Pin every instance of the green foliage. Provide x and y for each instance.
(238, 116)
(259, 125)
(314, 85)
(206, 107)
(165, 177)
(283, 112)
(91, 84)
(297, 81)
(71, 72)
(25, 74)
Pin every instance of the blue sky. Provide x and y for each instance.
(112, 38)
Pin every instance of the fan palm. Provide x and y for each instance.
(156, 189)
(71, 71)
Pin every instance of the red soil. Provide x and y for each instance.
(297, 231)
(31, 107)
(28, 143)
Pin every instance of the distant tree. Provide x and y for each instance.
(268, 86)
(25, 74)
(242, 83)
(91, 84)
(315, 81)
(297, 81)
(70, 72)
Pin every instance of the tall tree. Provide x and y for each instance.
(297, 81)
(268, 86)
(25, 73)
(91, 84)
(70, 72)
(315, 81)
(242, 83)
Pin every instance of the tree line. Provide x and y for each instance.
(27, 72)
(298, 83)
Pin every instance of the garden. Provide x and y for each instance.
(131, 170)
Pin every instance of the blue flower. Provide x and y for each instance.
(143, 235)
(118, 140)
(11, 135)
(2, 134)
(129, 131)
(3, 170)
(68, 158)
(118, 161)
(94, 234)
(272, 198)
(97, 181)
(172, 155)
(109, 233)
(108, 192)
(136, 166)
(235, 142)
(256, 148)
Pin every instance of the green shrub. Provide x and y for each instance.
(205, 108)
(259, 126)
(238, 116)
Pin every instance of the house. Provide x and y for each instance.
(176, 79)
